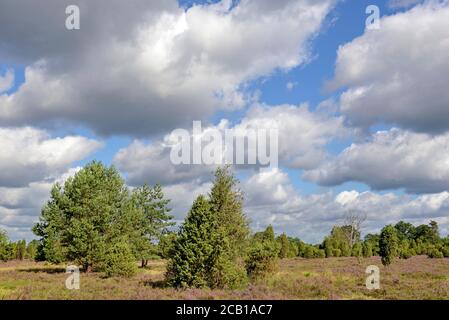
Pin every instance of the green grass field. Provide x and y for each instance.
(332, 278)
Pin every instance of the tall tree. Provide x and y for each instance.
(156, 219)
(226, 202)
(86, 217)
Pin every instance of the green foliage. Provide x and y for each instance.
(266, 235)
(388, 244)
(263, 254)
(151, 221)
(445, 251)
(192, 257)
(357, 250)
(434, 253)
(373, 241)
(118, 260)
(20, 250)
(405, 252)
(93, 216)
(405, 230)
(4, 246)
(166, 245)
(287, 249)
(32, 249)
(367, 250)
(338, 242)
(311, 252)
(230, 249)
(211, 245)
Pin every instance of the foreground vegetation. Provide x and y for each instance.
(332, 278)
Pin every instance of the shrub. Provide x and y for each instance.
(118, 261)
(357, 250)
(434, 253)
(367, 250)
(262, 256)
(445, 251)
(336, 253)
(388, 244)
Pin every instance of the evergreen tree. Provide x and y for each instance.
(285, 248)
(156, 220)
(226, 202)
(263, 254)
(192, 261)
(388, 244)
(86, 218)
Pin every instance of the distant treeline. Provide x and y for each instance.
(96, 222)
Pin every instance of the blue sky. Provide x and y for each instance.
(114, 90)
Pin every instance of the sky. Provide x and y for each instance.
(363, 114)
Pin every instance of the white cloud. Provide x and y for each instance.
(7, 80)
(303, 136)
(272, 199)
(30, 155)
(20, 208)
(154, 67)
(397, 74)
(391, 159)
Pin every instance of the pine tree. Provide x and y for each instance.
(155, 221)
(86, 217)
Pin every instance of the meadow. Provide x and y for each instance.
(331, 278)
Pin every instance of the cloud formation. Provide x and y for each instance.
(302, 138)
(151, 66)
(397, 74)
(31, 155)
(392, 159)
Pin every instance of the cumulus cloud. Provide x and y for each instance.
(150, 66)
(6, 80)
(272, 199)
(20, 207)
(392, 159)
(31, 155)
(302, 137)
(397, 74)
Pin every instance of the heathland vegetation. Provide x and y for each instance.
(95, 221)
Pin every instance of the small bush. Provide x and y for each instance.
(434, 253)
(119, 261)
(445, 251)
(336, 252)
(405, 254)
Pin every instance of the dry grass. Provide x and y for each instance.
(335, 278)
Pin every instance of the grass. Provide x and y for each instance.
(333, 278)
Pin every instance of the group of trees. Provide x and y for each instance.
(19, 250)
(94, 220)
(209, 249)
(402, 240)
